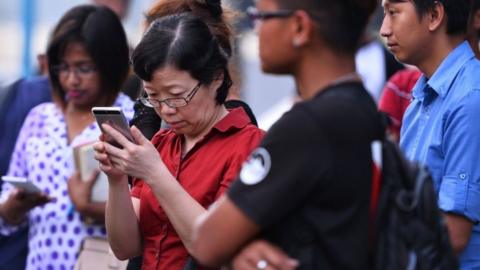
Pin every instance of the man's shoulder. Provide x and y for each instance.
(470, 75)
(347, 103)
(353, 94)
(467, 85)
(28, 93)
(36, 87)
(342, 111)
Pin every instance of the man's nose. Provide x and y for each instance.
(385, 29)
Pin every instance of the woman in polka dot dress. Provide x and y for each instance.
(88, 62)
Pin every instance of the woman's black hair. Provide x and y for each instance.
(100, 31)
(186, 42)
(218, 19)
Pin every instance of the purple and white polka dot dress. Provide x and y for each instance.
(42, 154)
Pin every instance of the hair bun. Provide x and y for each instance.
(213, 6)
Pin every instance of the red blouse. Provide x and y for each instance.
(205, 173)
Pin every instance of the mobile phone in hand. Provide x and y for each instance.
(115, 118)
(22, 183)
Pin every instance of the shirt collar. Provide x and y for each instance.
(444, 76)
(236, 119)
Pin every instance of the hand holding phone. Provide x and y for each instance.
(114, 117)
(25, 197)
(22, 183)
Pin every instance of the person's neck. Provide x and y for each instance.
(441, 48)
(191, 139)
(77, 110)
(319, 69)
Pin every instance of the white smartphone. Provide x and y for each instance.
(22, 183)
(115, 118)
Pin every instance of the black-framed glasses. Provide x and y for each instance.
(83, 70)
(255, 15)
(175, 102)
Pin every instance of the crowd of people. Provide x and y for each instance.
(200, 186)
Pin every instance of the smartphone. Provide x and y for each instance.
(116, 119)
(22, 183)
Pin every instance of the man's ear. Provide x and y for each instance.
(436, 17)
(303, 28)
(476, 20)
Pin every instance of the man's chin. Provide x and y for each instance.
(401, 58)
(277, 70)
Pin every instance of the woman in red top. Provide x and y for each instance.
(187, 166)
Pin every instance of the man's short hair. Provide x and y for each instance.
(475, 5)
(341, 23)
(457, 12)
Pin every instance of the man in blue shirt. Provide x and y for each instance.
(441, 127)
(16, 101)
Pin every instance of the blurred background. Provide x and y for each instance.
(25, 26)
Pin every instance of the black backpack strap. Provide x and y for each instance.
(377, 175)
(385, 122)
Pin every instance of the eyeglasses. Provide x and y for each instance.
(171, 102)
(255, 15)
(83, 71)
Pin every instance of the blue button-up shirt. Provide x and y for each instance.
(441, 128)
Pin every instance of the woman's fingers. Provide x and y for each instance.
(116, 135)
(138, 136)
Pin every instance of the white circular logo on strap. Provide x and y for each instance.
(256, 167)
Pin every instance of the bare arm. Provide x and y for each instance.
(122, 221)
(95, 210)
(143, 161)
(224, 221)
(182, 210)
(80, 194)
(460, 230)
(460, 172)
(121, 216)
